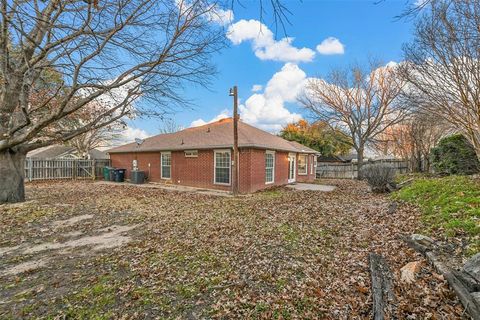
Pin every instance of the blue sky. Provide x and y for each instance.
(363, 27)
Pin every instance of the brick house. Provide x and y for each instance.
(202, 157)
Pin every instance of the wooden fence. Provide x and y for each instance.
(350, 170)
(52, 169)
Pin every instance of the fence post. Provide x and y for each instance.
(30, 169)
(74, 165)
(94, 169)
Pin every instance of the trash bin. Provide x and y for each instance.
(137, 177)
(111, 172)
(106, 173)
(120, 175)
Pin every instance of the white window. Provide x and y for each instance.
(166, 170)
(269, 167)
(222, 167)
(191, 153)
(302, 164)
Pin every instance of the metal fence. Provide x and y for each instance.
(63, 168)
(350, 170)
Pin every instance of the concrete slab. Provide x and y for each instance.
(171, 187)
(311, 187)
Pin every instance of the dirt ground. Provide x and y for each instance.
(81, 250)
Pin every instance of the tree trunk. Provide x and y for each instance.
(12, 174)
(359, 163)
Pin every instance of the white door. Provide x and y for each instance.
(291, 168)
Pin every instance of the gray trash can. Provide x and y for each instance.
(111, 172)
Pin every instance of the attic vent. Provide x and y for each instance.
(182, 142)
(191, 153)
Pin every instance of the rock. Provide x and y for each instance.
(392, 208)
(409, 271)
(472, 267)
(423, 240)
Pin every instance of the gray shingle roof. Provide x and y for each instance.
(212, 136)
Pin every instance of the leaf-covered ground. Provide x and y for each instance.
(276, 254)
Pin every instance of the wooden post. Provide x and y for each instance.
(236, 171)
(74, 165)
(30, 169)
(93, 169)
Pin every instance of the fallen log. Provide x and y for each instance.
(382, 287)
(467, 298)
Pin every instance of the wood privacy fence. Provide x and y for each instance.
(63, 168)
(350, 170)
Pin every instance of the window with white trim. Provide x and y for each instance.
(302, 164)
(269, 167)
(166, 170)
(222, 166)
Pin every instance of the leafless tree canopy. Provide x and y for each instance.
(113, 51)
(443, 68)
(362, 102)
(413, 138)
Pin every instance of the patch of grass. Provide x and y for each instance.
(93, 302)
(290, 234)
(450, 203)
(271, 193)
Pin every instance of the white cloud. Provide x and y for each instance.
(257, 87)
(200, 122)
(221, 16)
(129, 135)
(264, 44)
(267, 110)
(331, 46)
(216, 14)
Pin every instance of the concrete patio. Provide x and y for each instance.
(311, 187)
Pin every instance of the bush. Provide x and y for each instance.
(455, 155)
(380, 177)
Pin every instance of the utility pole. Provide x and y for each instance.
(236, 163)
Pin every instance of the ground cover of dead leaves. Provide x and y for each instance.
(275, 254)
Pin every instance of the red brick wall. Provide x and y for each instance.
(124, 161)
(195, 172)
(252, 170)
(198, 172)
(309, 177)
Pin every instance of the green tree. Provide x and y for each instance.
(455, 155)
(318, 136)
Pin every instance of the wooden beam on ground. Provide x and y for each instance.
(382, 287)
(467, 298)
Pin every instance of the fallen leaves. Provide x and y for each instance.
(276, 254)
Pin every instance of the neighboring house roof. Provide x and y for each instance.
(62, 151)
(50, 152)
(214, 135)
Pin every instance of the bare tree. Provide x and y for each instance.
(128, 53)
(412, 139)
(169, 126)
(362, 102)
(443, 65)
